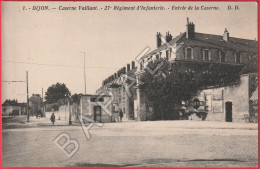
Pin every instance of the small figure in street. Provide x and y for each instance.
(52, 118)
(121, 114)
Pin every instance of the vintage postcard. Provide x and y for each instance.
(129, 84)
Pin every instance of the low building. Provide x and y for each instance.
(97, 108)
(12, 107)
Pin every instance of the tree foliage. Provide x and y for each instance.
(57, 93)
(36, 103)
(170, 85)
(76, 98)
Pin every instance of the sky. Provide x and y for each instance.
(49, 44)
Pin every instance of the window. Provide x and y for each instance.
(149, 59)
(167, 54)
(157, 57)
(222, 56)
(206, 55)
(142, 64)
(238, 58)
(189, 53)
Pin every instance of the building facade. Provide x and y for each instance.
(12, 107)
(202, 54)
(97, 108)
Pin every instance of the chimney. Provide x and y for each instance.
(168, 37)
(158, 39)
(133, 64)
(128, 67)
(115, 76)
(124, 70)
(190, 30)
(226, 35)
(120, 72)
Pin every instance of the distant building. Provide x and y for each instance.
(13, 107)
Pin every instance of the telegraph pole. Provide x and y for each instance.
(42, 102)
(28, 114)
(84, 71)
(27, 88)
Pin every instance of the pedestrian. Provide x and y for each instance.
(121, 114)
(52, 118)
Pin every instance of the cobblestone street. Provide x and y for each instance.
(136, 144)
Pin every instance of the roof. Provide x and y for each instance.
(251, 66)
(164, 46)
(13, 103)
(216, 41)
(255, 94)
(92, 95)
(212, 41)
(132, 71)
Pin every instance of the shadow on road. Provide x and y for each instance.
(156, 161)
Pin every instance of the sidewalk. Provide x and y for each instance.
(21, 122)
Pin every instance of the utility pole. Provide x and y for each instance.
(84, 71)
(28, 116)
(18, 81)
(42, 102)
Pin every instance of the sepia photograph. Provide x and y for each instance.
(129, 84)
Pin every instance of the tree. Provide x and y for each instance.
(177, 82)
(170, 85)
(76, 98)
(57, 93)
(36, 103)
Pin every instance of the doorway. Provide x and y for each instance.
(228, 111)
(97, 113)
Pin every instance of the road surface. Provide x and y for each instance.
(136, 144)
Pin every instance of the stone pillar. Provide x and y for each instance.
(126, 104)
(138, 94)
(138, 104)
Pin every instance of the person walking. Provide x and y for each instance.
(121, 114)
(52, 118)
